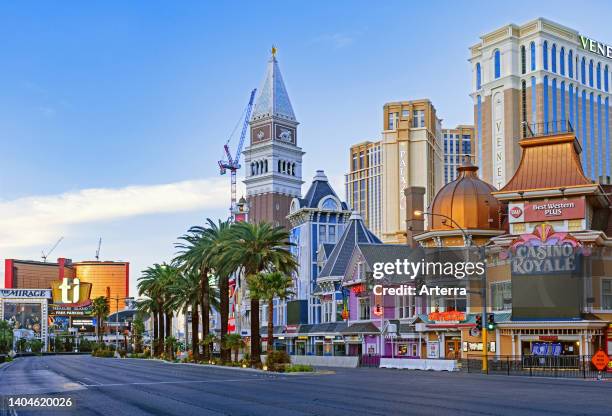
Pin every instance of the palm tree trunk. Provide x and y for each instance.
(255, 337)
(169, 331)
(155, 332)
(226, 353)
(270, 324)
(160, 324)
(195, 323)
(205, 309)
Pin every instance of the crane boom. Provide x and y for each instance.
(44, 256)
(233, 163)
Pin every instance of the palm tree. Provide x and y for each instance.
(234, 342)
(100, 308)
(219, 237)
(186, 294)
(208, 342)
(268, 286)
(258, 248)
(154, 283)
(194, 253)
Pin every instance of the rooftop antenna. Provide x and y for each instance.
(45, 255)
(98, 250)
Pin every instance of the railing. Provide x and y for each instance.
(566, 366)
(369, 360)
(546, 129)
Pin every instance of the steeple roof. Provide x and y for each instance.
(273, 100)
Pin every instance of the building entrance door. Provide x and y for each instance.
(453, 349)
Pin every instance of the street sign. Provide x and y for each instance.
(600, 360)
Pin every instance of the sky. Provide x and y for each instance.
(113, 114)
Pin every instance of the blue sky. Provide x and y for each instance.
(103, 103)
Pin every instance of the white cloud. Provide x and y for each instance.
(36, 220)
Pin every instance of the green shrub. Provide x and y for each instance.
(103, 353)
(85, 345)
(36, 345)
(277, 357)
(299, 368)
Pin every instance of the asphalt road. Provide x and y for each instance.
(104, 386)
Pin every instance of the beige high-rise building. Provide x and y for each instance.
(458, 144)
(408, 154)
(536, 79)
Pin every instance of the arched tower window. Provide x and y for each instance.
(523, 59)
(266, 165)
(478, 76)
(279, 166)
(598, 75)
(583, 71)
(606, 79)
(532, 47)
(591, 73)
(545, 55)
(570, 64)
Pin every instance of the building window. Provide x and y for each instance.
(583, 71)
(327, 307)
(478, 76)
(554, 105)
(501, 296)
(497, 57)
(524, 106)
(533, 100)
(331, 236)
(584, 133)
(571, 102)
(361, 160)
(390, 122)
(607, 112)
(563, 118)
(330, 204)
(364, 308)
(606, 79)
(418, 118)
(562, 61)
(553, 58)
(403, 307)
(545, 55)
(523, 59)
(598, 76)
(405, 113)
(532, 48)
(599, 137)
(322, 234)
(606, 294)
(354, 162)
(591, 73)
(545, 99)
(570, 65)
(479, 122)
(592, 122)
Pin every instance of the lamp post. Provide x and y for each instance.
(483, 292)
(117, 298)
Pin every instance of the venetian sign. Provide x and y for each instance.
(596, 47)
(553, 210)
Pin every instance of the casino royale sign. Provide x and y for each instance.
(529, 260)
(596, 47)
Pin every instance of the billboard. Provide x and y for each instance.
(553, 210)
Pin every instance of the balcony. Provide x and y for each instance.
(550, 128)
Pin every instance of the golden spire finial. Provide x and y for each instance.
(273, 51)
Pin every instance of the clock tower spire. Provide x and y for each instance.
(273, 160)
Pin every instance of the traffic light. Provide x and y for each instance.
(491, 322)
(479, 322)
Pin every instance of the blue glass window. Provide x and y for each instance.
(592, 133)
(570, 64)
(479, 116)
(583, 71)
(545, 99)
(545, 55)
(497, 63)
(553, 55)
(563, 118)
(478, 76)
(532, 47)
(607, 111)
(571, 103)
(533, 100)
(584, 132)
(598, 76)
(591, 73)
(554, 105)
(599, 137)
(606, 79)
(562, 61)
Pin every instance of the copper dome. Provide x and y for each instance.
(468, 200)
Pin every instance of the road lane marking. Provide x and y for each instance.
(147, 383)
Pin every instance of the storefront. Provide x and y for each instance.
(26, 310)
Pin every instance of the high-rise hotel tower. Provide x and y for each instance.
(273, 160)
(540, 78)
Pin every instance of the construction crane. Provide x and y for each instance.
(45, 255)
(233, 163)
(98, 250)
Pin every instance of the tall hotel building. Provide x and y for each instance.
(540, 78)
(408, 154)
(458, 144)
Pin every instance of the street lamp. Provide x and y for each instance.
(127, 300)
(483, 292)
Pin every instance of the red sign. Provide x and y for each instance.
(553, 210)
(231, 325)
(548, 338)
(516, 211)
(446, 316)
(600, 360)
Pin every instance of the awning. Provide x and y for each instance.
(362, 328)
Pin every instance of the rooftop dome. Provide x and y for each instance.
(468, 200)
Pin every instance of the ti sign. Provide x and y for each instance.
(596, 47)
(553, 210)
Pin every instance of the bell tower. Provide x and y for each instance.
(273, 160)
